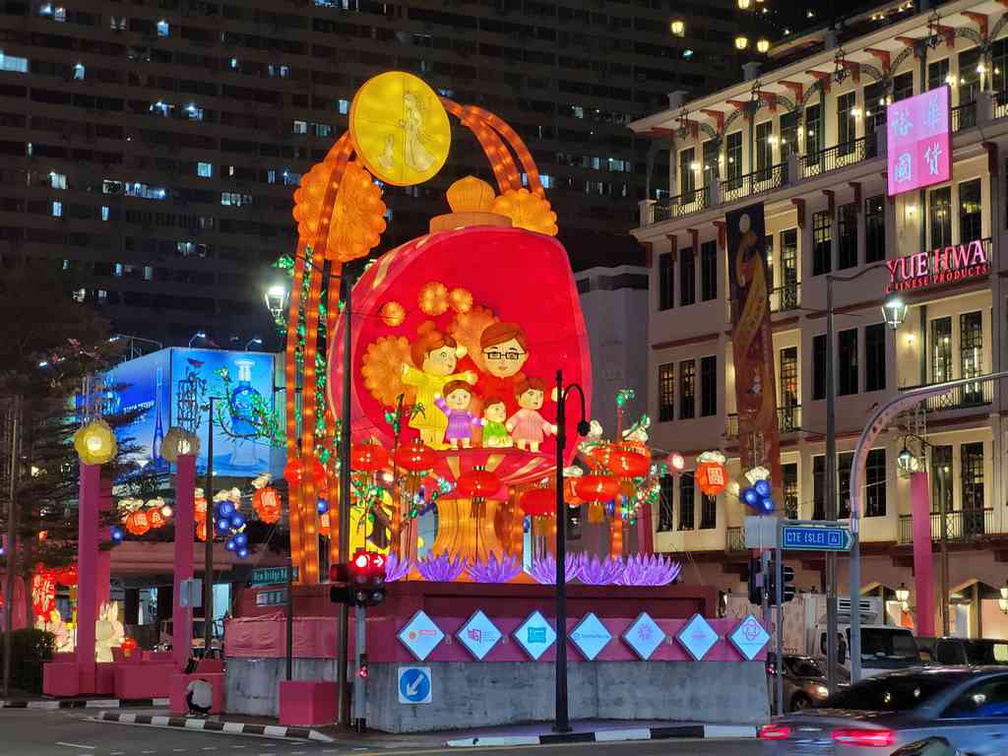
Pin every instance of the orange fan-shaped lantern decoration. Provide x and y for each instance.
(138, 523)
(368, 457)
(478, 484)
(266, 503)
(415, 456)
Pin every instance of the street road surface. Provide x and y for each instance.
(73, 733)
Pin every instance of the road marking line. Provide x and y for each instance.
(75, 745)
(209, 748)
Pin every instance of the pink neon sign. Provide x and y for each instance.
(919, 148)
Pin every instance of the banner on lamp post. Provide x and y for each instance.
(750, 282)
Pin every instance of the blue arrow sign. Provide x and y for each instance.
(414, 685)
(816, 538)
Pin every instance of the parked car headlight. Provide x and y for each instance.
(820, 691)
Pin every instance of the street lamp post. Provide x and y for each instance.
(197, 335)
(562, 721)
(254, 340)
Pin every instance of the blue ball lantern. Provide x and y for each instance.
(763, 487)
(242, 552)
(240, 539)
(225, 508)
(117, 534)
(237, 520)
(322, 506)
(224, 525)
(751, 497)
(231, 545)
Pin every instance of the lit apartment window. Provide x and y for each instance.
(204, 170)
(15, 64)
(233, 63)
(300, 127)
(163, 29)
(161, 108)
(193, 113)
(546, 180)
(78, 71)
(104, 212)
(118, 270)
(940, 216)
(969, 211)
(148, 273)
(57, 180)
(235, 199)
(57, 209)
(291, 178)
(343, 106)
(789, 486)
(844, 463)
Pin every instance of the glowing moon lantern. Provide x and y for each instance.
(400, 128)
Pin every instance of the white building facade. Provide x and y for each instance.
(808, 141)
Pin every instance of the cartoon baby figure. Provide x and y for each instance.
(495, 434)
(435, 356)
(455, 405)
(527, 426)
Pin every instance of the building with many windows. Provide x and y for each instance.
(808, 140)
(154, 145)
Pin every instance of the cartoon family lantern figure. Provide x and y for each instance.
(450, 401)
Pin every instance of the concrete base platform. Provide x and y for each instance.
(512, 692)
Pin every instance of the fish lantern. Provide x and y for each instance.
(540, 505)
(266, 503)
(368, 457)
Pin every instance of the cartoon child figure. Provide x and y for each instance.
(527, 426)
(495, 434)
(434, 356)
(455, 405)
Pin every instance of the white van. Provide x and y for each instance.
(883, 647)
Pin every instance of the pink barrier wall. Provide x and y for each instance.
(185, 492)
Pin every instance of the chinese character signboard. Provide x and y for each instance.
(942, 265)
(919, 145)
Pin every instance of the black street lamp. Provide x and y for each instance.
(562, 720)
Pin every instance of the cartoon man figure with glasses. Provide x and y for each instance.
(503, 353)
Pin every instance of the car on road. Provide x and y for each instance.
(971, 651)
(968, 706)
(804, 681)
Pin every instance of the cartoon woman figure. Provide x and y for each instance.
(435, 356)
(417, 156)
(527, 426)
(495, 434)
(455, 405)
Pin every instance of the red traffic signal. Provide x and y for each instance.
(367, 566)
(363, 580)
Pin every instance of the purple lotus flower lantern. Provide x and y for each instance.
(605, 572)
(649, 570)
(441, 569)
(493, 571)
(396, 568)
(543, 569)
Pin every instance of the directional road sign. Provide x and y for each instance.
(825, 537)
(414, 685)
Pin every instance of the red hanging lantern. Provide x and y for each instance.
(711, 478)
(415, 456)
(293, 472)
(138, 523)
(477, 484)
(128, 646)
(596, 487)
(156, 519)
(67, 575)
(318, 473)
(368, 457)
(266, 503)
(624, 462)
(538, 502)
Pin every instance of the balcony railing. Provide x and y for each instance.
(788, 421)
(961, 525)
(735, 540)
(785, 298)
(1000, 104)
(978, 393)
(683, 204)
(964, 116)
(838, 156)
(773, 177)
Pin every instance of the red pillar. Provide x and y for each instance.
(87, 586)
(920, 508)
(185, 493)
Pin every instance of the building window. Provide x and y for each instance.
(875, 484)
(343, 106)
(708, 271)
(940, 216)
(57, 209)
(847, 252)
(819, 488)
(204, 170)
(972, 465)
(847, 362)
(768, 256)
(846, 123)
(733, 158)
(819, 366)
(788, 377)
(687, 388)
(710, 162)
(708, 512)
(665, 271)
(902, 86)
(969, 80)
(79, 71)
(57, 180)
(813, 133)
(789, 269)
(163, 29)
(971, 355)
(764, 150)
(844, 463)
(822, 242)
(941, 478)
(970, 225)
(666, 392)
(788, 135)
(875, 242)
(875, 106)
(104, 212)
(687, 276)
(14, 64)
(941, 350)
(687, 497)
(875, 357)
(300, 127)
(938, 73)
(708, 386)
(666, 515)
(687, 180)
(789, 488)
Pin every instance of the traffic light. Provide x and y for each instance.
(363, 580)
(755, 582)
(788, 590)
